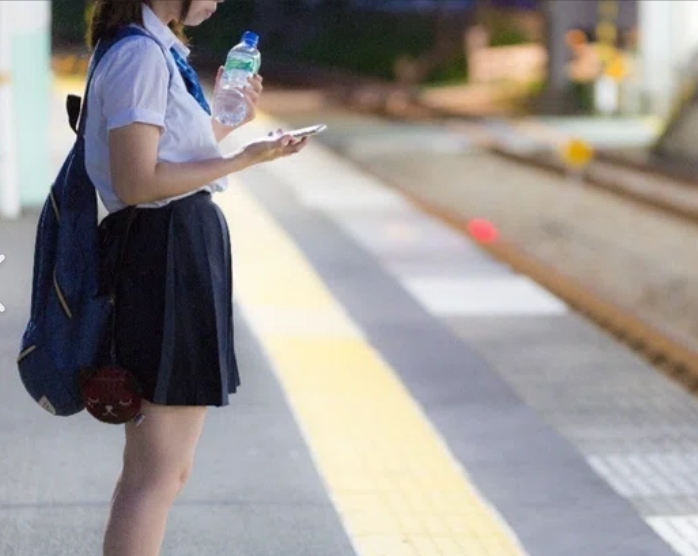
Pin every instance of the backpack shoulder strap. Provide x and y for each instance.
(77, 107)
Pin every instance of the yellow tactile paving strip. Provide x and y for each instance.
(394, 482)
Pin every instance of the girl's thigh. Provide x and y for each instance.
(165, 441)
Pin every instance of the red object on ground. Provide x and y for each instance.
(482, 230)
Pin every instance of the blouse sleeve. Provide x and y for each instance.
(135, 84)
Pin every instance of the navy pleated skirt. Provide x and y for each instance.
(171, 271)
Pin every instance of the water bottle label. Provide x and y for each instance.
(234, 64)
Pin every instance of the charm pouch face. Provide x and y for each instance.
(111, 395)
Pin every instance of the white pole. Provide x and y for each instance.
(9, 188)
(684, 30)
(656, 54)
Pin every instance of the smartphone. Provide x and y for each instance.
(307, 131)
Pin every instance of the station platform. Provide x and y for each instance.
(402, 395)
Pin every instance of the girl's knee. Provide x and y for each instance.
(164, 482)
(184, 474)
(173, 483)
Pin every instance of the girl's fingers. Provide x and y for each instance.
(286, 140)
(296, 145)
(300, 144)
(255, 84)
(252, 97)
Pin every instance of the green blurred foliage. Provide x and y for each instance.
(368, 43)
(452, 72)
(68, 24)
(505, 35)
(503, 29)
(331, 34)
(581, 97)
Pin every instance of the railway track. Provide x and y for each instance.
(630, 177)
(651, 189)
(663, 349)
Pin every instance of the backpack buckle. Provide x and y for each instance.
(73, 105)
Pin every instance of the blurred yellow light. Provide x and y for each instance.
(617, 68)
(577, 153)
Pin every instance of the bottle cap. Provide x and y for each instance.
(251, 39)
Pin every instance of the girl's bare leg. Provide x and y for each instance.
(157, 461)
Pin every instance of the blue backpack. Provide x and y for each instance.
(68, 327)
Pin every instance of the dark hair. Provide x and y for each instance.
(108, 15)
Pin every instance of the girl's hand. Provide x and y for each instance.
(275, 145)
(252, 93)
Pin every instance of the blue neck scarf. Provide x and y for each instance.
(191, 80)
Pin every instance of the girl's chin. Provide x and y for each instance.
(198, 20)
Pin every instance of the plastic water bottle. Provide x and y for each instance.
(244, 60)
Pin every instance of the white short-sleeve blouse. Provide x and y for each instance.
(132, 84)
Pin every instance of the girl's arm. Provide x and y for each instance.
(138, 177)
